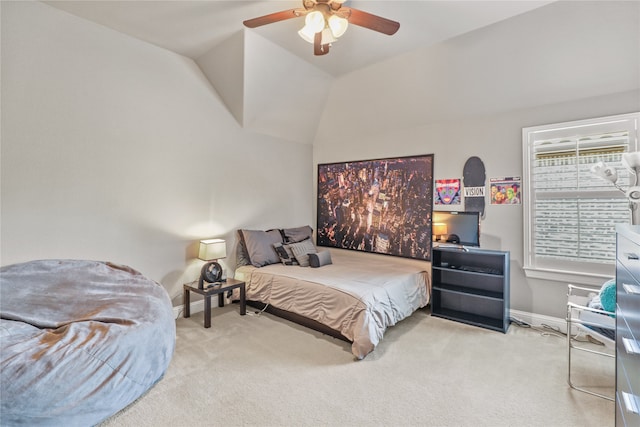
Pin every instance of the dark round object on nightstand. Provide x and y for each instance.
(211, 272)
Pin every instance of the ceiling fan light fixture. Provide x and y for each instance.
(327, 36)
(315, 21)
(326, 21)
(338, 25)
(307, 34)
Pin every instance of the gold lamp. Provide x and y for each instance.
(211, 250)
(439, 229)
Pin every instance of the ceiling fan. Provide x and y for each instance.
(326, 21)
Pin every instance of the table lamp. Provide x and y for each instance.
(211, 250)
(439, 229)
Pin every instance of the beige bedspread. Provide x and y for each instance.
(360, 296)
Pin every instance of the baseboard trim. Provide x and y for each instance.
(534, 319)
(530, 318)
(196, 307)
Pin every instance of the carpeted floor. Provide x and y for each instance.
(259, 370)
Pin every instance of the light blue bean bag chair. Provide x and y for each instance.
(80, 340)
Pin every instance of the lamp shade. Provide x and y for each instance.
(212, 249)
(605, 172)
(631, 161)
(314, 21)
(307, 34)
(338, 25)
(439, 228)
(331, 28)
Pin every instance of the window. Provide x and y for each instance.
(570, 213)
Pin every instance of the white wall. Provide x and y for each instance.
(472, 95)
(114, 149)
(259, 97)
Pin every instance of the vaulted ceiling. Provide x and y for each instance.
(268, 77)
(192, 28)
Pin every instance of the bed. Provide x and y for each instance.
(351, 295)
(80, 340)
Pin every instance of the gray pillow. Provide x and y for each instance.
(241, 252)
(301, 251)
(259, 246)
(297, 234)
(285, 254)
(320, 259)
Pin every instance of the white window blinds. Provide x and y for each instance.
(570, 213)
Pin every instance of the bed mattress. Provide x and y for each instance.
(358, 296)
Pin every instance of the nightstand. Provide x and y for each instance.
(229, 285)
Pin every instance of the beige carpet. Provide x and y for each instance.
(264, 371)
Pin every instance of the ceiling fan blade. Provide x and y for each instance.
(318, 47)
(370, 21)
(271, 18)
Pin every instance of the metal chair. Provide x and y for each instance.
(598, 323)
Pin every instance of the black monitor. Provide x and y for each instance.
(461, 228)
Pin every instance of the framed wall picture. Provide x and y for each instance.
(447, 191)
(506, 191)
(381, 206)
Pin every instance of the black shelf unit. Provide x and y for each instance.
(471, 286)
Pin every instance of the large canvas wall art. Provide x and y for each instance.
(381, 206)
